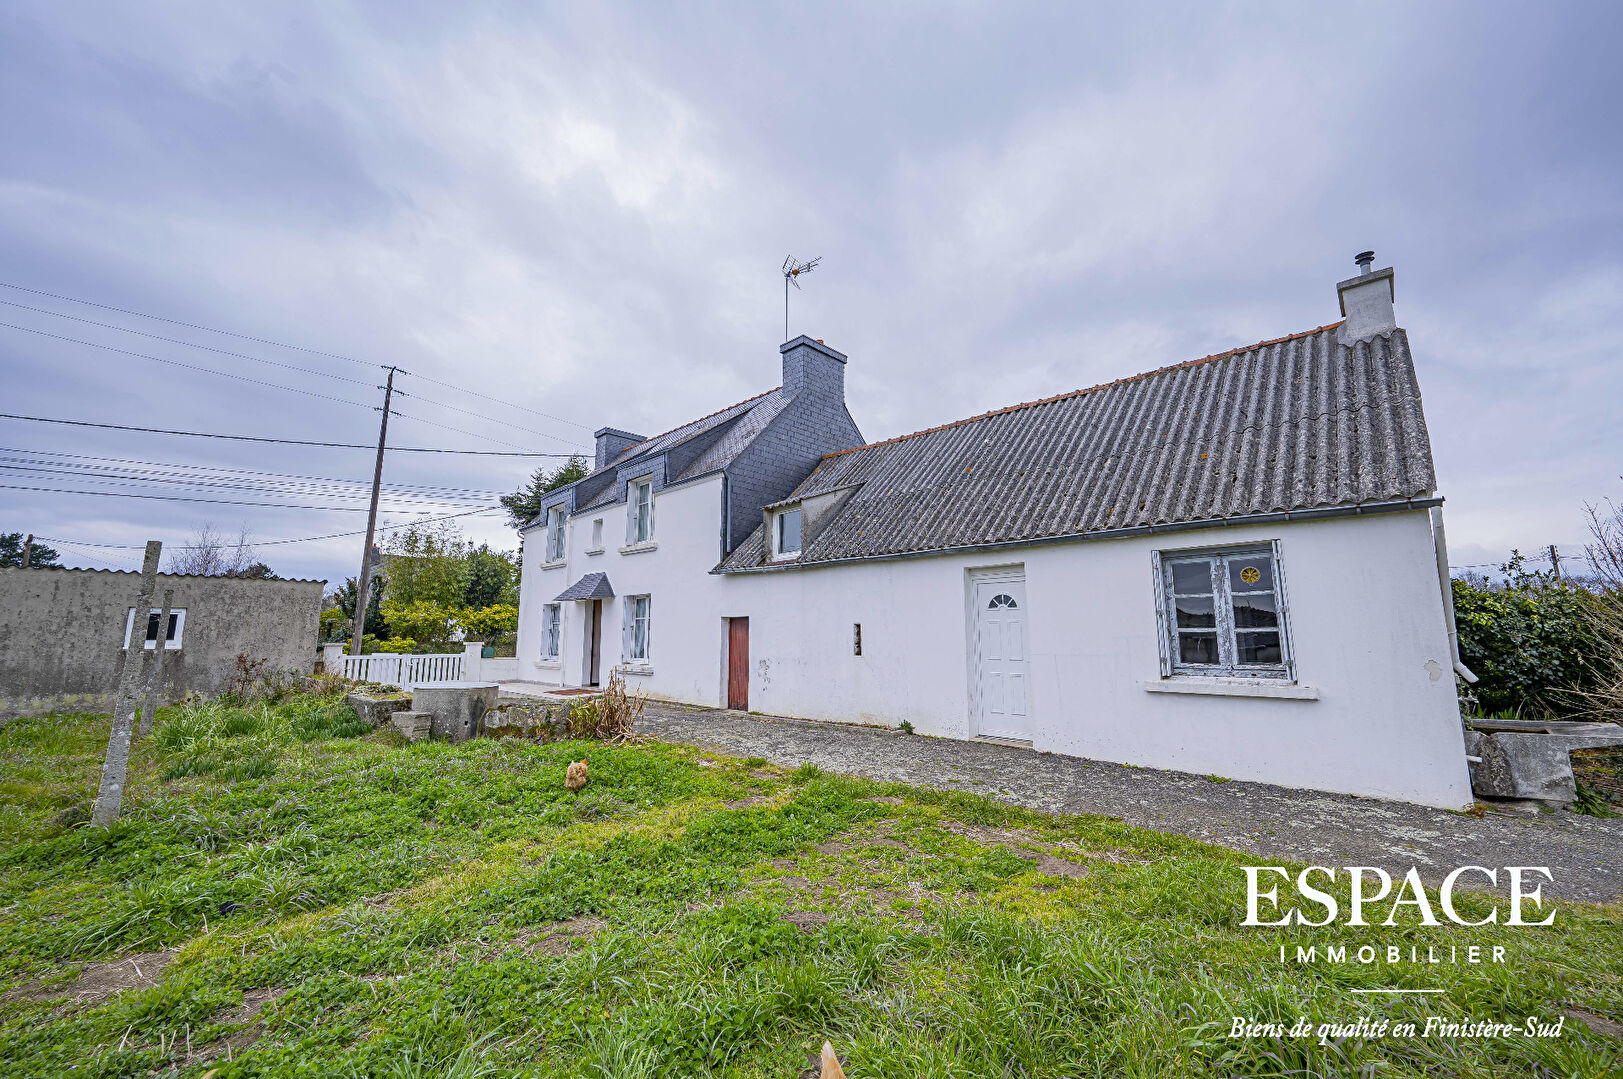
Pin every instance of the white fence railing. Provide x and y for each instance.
(406, 671)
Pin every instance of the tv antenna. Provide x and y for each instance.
(791, 276)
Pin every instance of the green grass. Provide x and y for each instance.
(424, 910)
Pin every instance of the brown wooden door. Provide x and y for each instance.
(597, 639)
(738, 663)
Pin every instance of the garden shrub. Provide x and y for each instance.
(1533, 643)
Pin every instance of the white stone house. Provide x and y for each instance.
(1232, 566)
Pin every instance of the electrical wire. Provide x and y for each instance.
(258, 340)
(188, 325)
(280, 441)
(279, 542)
(178, 498)
(42, 457)
(480, 416)
(188, 344)
(195, 367)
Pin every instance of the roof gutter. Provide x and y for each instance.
(1314, 514)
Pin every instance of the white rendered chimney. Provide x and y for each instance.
(1366, 301)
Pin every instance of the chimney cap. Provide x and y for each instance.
(1364, 259)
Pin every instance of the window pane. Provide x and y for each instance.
(1194, 578)
(1197, 648)
(789, 531)
(1258, 649)
(152, 625)
(1251, 573)
(1196, 612)
(1255, 610)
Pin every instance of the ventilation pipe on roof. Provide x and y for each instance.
(1366, 301)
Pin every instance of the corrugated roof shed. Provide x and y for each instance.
(1290, 424)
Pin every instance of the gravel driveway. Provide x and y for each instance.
(1584, 853)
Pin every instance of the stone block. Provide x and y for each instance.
(376, 710)
(458, 707)
(1529, 759)
(416, 726)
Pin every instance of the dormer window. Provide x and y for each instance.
(786, 534)
(555, 534)
(640, 511)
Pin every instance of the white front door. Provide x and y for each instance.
(1002, 679)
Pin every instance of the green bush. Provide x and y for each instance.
(1533, 643)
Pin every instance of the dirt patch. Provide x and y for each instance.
(887, 799)
(809, 921)
(252, 1001)
(746, 803)
(833, 846)
(99, 981)
(559, 938)
(783, 863)
(1058, 867)
(1597, 1024)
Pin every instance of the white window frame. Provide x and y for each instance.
(778, 549)
(1224, 629)
(555, 534)
(638, 609)
(640, 498)
(597, 537)
(552, 626)
(176, 614)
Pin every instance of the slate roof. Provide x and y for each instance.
(1290, 424)
(591, 586)
(748, 417)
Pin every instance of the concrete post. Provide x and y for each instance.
(110, 797)
(332, 658)
(472, 660)
(154, 672)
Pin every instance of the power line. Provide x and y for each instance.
(177, 341)
(279, 441)
(188, 325)
(478, 416)
(274, 543)
(498, 400)
(290, 490)
(257, 340)
(179, 498)
(196, 367)
(111, 463)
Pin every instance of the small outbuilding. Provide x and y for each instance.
(65, 633)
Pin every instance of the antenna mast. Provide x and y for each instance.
(791, 276)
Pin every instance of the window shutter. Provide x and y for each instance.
(1159, 594)
(631, 514)
(1282, 601)
(648, 629)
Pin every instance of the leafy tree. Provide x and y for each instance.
(491, 623)
(525, 503)
(490, 577)
(427, 565)
(11, 551)
(427, 623)
(345, 599)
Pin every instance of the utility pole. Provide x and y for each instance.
(364, 585)
(28, 549)
(1555, 562)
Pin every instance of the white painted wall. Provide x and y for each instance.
(1366, 620)
(688, 633)
(1366, 623)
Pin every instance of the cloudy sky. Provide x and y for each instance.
(578, 212)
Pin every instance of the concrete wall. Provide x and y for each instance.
(62, 633)
(1366, 620)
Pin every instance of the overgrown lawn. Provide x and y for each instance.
(310, 898)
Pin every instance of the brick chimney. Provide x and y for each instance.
(1366, 301)
(611, 443)
(809, 364)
